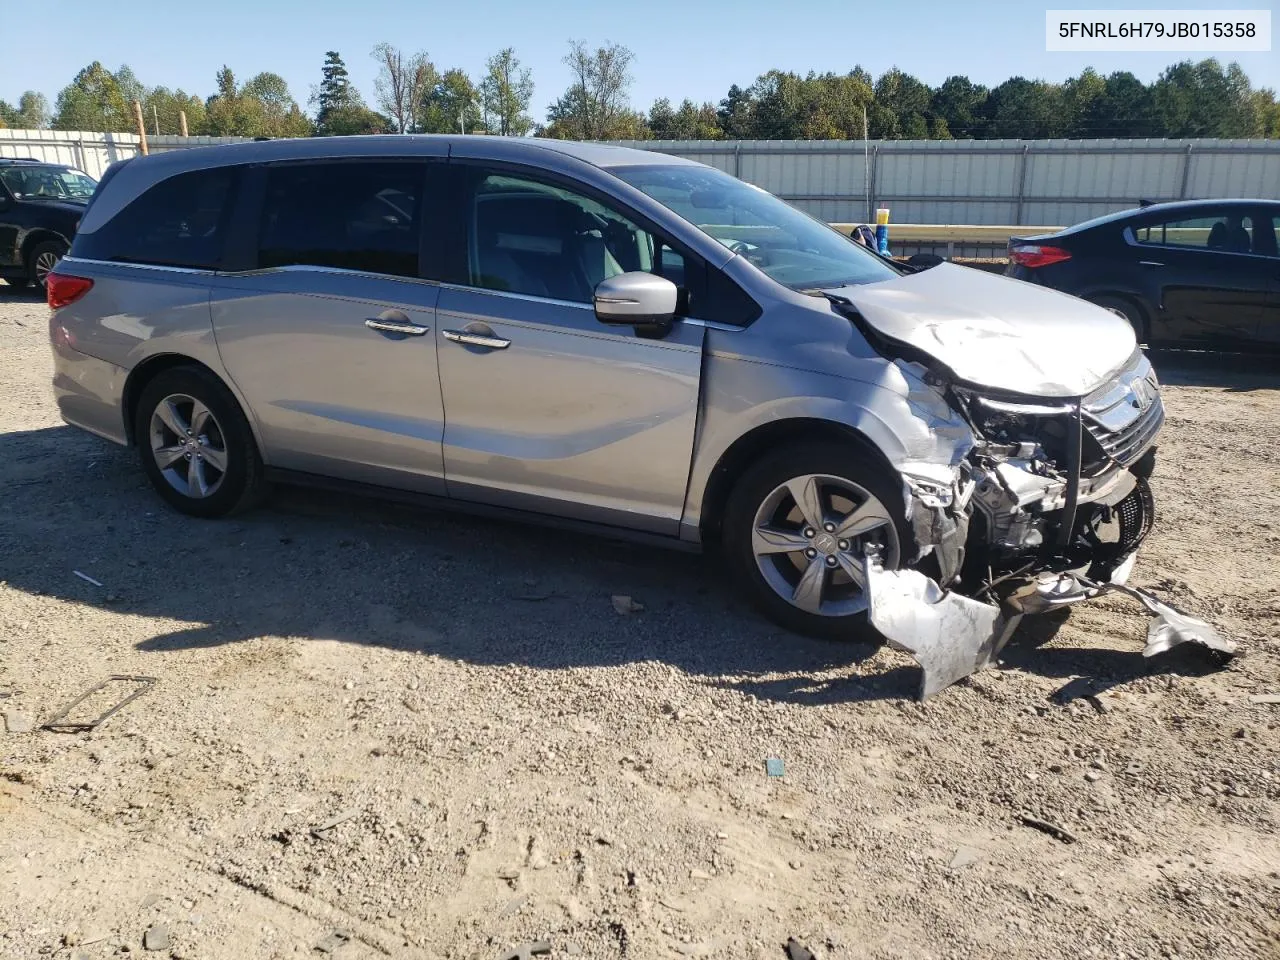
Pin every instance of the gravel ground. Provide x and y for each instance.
(493, 755)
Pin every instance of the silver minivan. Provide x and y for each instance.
(613, 338)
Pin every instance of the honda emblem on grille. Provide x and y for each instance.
(1144, 392)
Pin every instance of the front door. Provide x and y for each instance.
(331, 338)
(546, 408)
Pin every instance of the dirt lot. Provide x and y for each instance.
(510, 759)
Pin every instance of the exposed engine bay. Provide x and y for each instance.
(1046, 505)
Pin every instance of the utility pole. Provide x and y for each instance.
(155, 118)
(462, 119)
(182, 122)
(142, 128)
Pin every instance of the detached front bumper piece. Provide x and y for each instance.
(952, 636)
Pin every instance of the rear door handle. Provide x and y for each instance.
(1150, 263)
(395, 326)
(477, 339)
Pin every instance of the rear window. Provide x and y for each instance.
(360, 215)
(179, 222)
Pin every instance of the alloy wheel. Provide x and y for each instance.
(44, 265)
(809, 537)
(188, 446)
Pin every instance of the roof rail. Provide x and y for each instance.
(20, 160)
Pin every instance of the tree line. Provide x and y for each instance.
(413, 95)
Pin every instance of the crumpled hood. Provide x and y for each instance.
(996, 332)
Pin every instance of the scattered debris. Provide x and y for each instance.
(798, 951)
(624, 605)
(964, 856)
(15, 722)
(1264, 698)
(86, 578)
(671, 903)
(696, 874)
(509, 873)
(156, 937)
(1101, 703)
(319, 830)
(950, 636)
(1044, 826)
(526, 950)
(333, 941)
(774, 767)
(60, 723)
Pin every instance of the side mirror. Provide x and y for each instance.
(641, 300)
(924, 260)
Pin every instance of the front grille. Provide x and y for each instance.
(1126, 443)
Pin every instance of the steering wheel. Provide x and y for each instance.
(739, 248)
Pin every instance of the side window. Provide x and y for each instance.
(362, 215)
(1264, 237)
(1230, 232)
(179, 222)
(529, 237)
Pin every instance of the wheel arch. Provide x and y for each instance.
(151, 367)
(751, 446)
(37, 236)
(1135, 300)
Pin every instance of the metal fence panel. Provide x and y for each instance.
(91, 152)
(1037, 182)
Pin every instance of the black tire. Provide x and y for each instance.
(844, 461)
(242, 484)
(18, 283)
(1127, 309)
(38, 258)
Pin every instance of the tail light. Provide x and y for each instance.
(1034, 255)
(62, 289)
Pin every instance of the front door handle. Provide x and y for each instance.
(1150, 263)
(477, 339)
(395, 326)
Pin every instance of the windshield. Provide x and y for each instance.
(47, 183)
(789, 246)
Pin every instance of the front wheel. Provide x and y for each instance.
(796, 529)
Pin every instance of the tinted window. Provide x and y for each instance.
(180, 222)
(534, 238)
(1229, 232)
(354, 216)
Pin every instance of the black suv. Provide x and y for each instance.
(40, 207)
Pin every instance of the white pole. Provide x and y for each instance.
(866, 162)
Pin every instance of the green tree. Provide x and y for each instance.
(402, 83)
(162, 106)
(1203, 100)
(32, 112)
(1031, 109)
(225, 115)
(452, 105)
(9, 115)
(959, 103)
(909, 100)
(93, 101)
(505, 94)
(341, 110)
(271, 109)
(735, 114)
(689, 122)
(1124, 109)
(131, 87)
(595, 107)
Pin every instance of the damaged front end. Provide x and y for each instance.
(1048, 508)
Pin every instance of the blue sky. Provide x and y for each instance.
(691, 48)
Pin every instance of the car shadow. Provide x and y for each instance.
(82, 524)
(1235, 372)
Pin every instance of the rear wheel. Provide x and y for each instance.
(1128, 310)
(796, 528)
(196, 445)
(42, 260)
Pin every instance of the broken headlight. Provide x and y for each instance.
(1025, 431)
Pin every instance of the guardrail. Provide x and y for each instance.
(971, 240)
